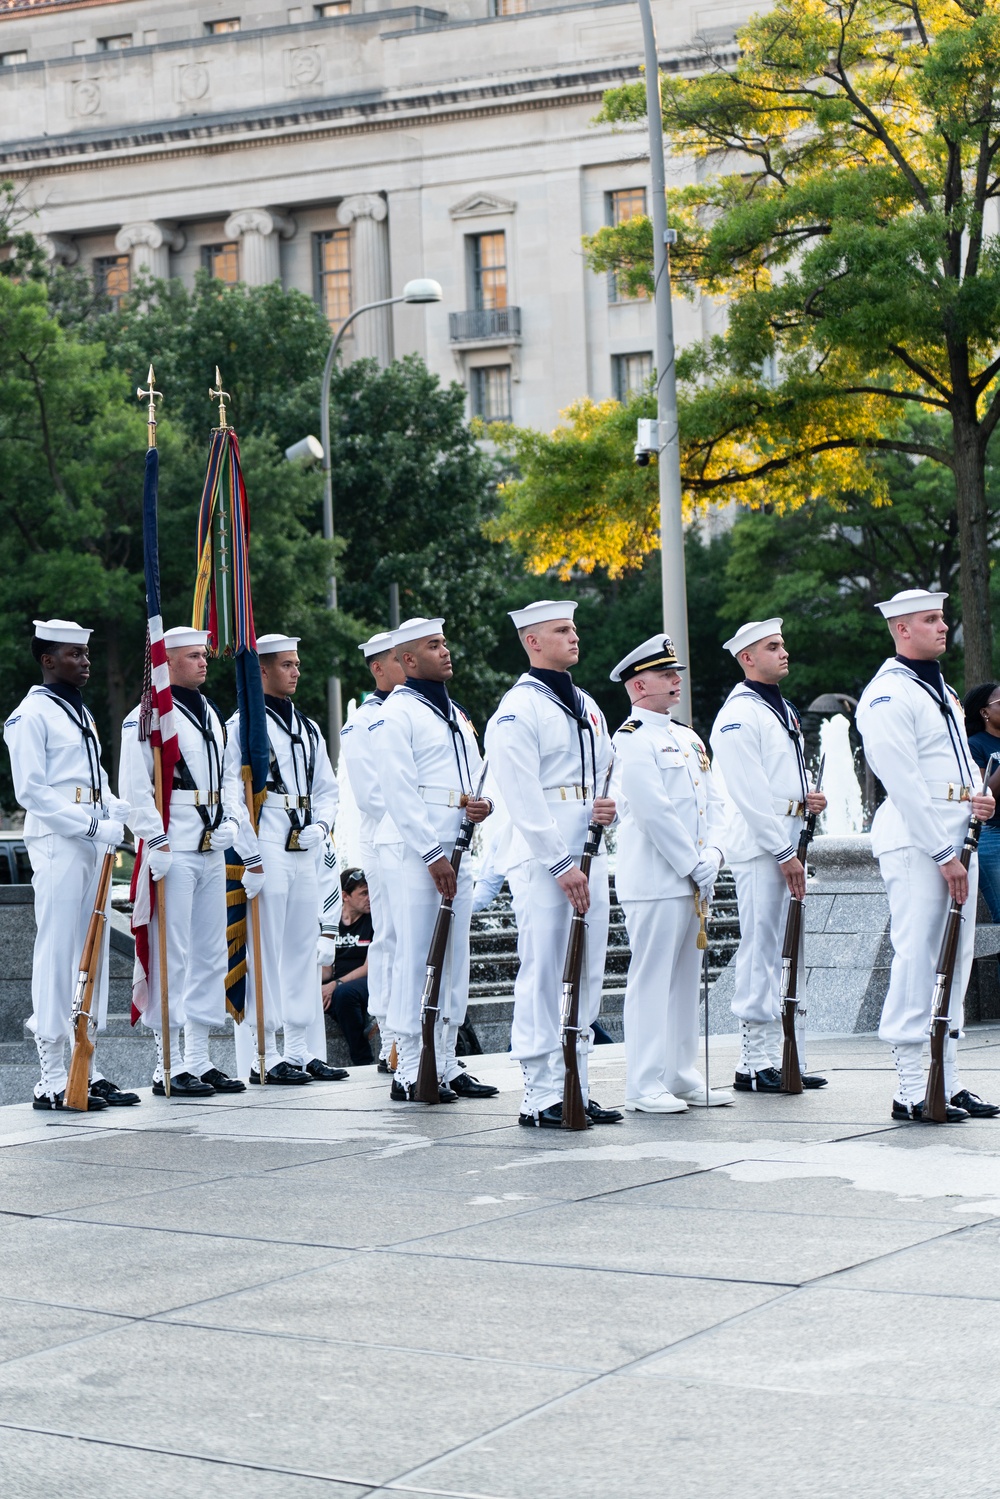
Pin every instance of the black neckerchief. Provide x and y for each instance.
(560, 685)
(191, 699)
(789, 720)
(435, 694)
(300, 731)
(283, 707)
(929, 672)
(194, 706)
(70, 700)
(931, 678)
(379, 695)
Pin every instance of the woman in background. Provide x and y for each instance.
(982, 725)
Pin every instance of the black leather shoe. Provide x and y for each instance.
(383, 1066)
(184, 1085)
(597, 1115)
(112, 1094)
(975, 1106)
(467, 1086)
(550, 1118)
(915, 1113)
(403, 1093)
(812, 1080)
(94, 1102)
(324, 1073)
(768, 1080)
(284, 1073)
(222, 1083)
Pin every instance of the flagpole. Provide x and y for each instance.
(161, 894)
(217, 393)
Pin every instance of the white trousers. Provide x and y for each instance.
(415, 902)
(197, 954)
(762, 897)
(289, 930)
(918, 908)
(382, 950)
(662, 997)
(65, 875)
(543, 921)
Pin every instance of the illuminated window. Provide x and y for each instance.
(333, 274)
(491, 392)
(112, 277)
(11, 59)
(218, 28)
(113, 43)
(222, 262)
(630, 374)
(488, 270)
(628, 203)
(509, 7)
(335, 8)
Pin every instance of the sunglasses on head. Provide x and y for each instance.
(352, 879)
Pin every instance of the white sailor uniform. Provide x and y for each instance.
(758, 756)
(545, 763)
(427, 762)
(358, 749)
(195, 884)
(55, 756)
(916, 745)
(301, 790)
(670, 815)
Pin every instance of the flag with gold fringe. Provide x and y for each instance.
(224, 607)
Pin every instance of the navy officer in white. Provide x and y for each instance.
(758, 749)
(669, 854)
(913, 729)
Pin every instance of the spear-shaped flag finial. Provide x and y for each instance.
(216, 393)
(152, 395)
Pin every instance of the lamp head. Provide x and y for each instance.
(422, 290)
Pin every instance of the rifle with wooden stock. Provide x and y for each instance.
(426, 1087)
(935, 1100)
(574, 1115)
(791, 1070)
(82, 1020)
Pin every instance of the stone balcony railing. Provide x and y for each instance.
(485, 324)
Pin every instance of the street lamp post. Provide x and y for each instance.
(421, 290)
(674, 586)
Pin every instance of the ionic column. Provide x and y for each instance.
(149, 243)
(369, 272)
(61, 249)
(258, 231)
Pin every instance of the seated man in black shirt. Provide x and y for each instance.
(345, 985)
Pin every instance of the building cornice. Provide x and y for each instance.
(317, 121)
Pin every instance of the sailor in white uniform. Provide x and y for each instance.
(549, 751)
(913, 729)
(671, 818)
(358, 749)
(429, 768)
(71, 820)
(758, 748)
(298, 813)
(190, 856)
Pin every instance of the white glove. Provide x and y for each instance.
(312, 836)
(110, 831)
(119, 809)
(253, 880)
(160, 860)
(224, 836)
(246, 844)
(705, 873)
(326, 951)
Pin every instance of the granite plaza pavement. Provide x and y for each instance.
(319, 1293)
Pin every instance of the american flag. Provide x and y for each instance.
(157, 725)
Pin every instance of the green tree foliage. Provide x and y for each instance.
(848, 161)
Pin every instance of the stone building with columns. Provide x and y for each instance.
(347, 147)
